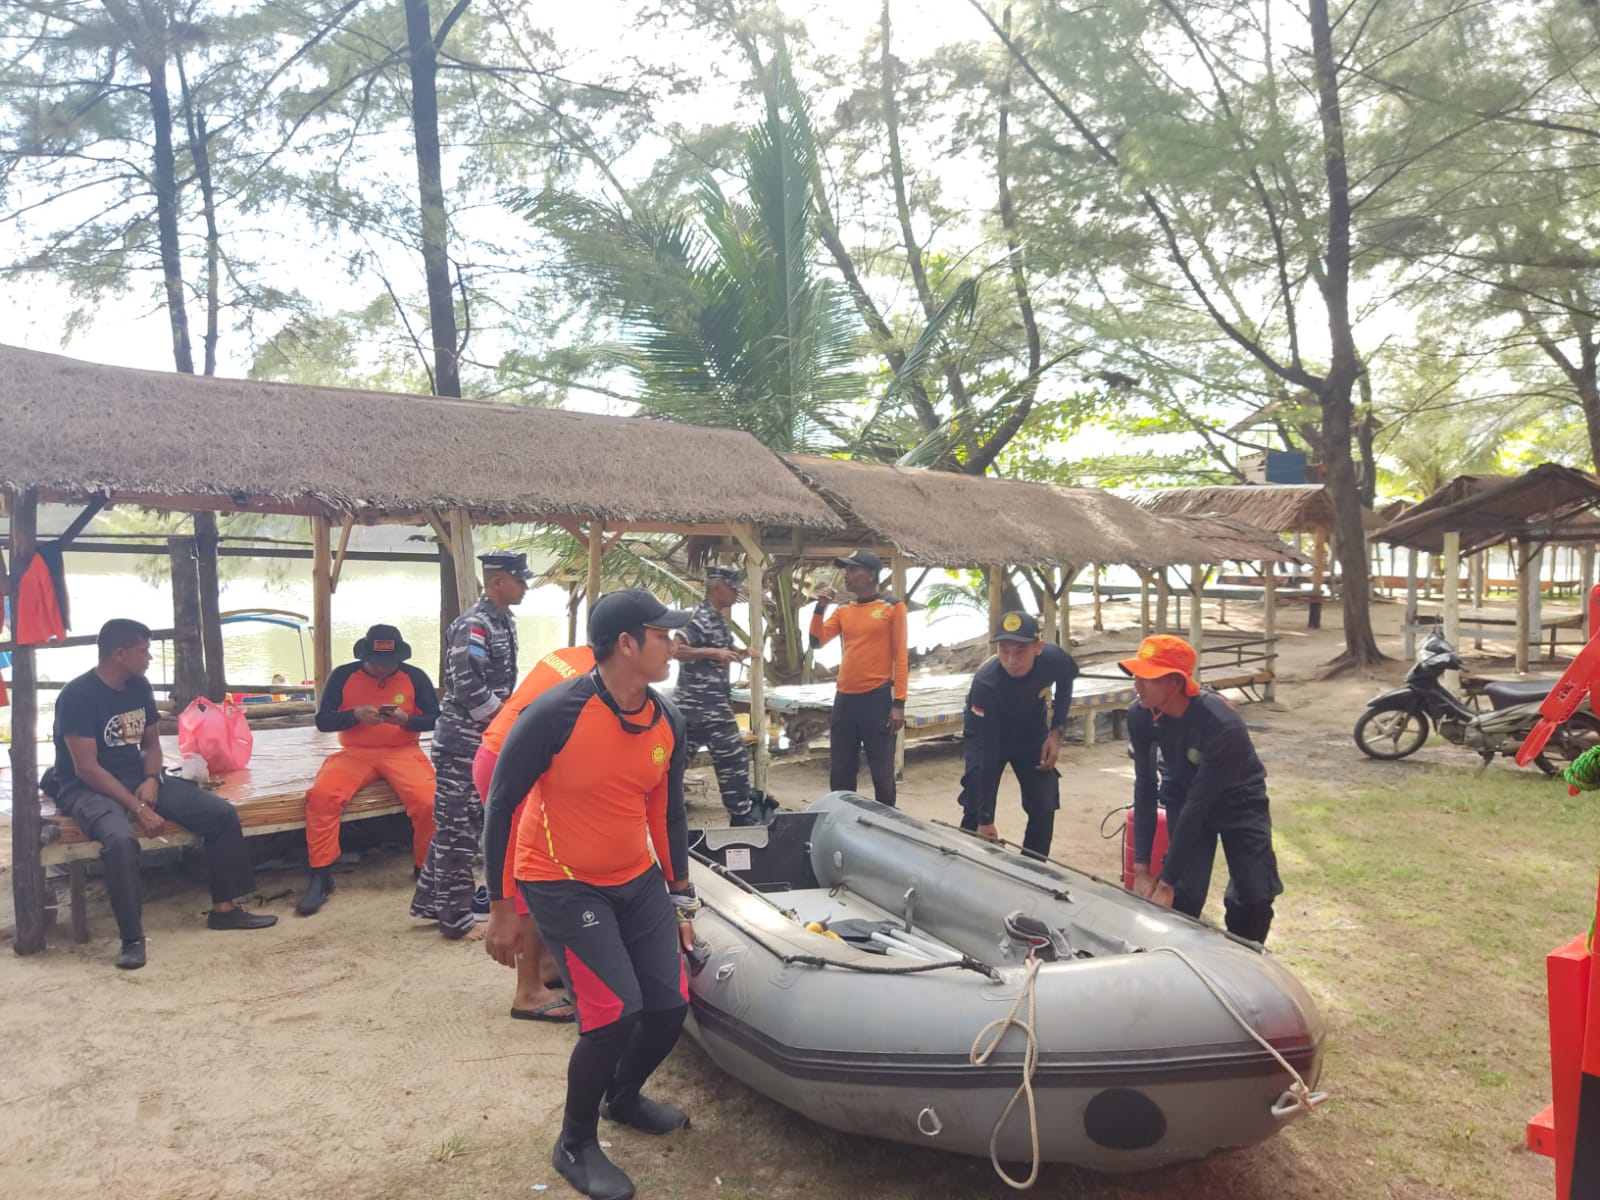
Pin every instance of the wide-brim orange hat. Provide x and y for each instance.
(1163, 655)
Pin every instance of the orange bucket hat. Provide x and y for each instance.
(1163, 655)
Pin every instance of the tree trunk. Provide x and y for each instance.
(166, 183)
(1361, 648)
(430, 186)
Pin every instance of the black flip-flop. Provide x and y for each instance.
(542, 1013)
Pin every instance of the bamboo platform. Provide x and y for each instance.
(270, 794)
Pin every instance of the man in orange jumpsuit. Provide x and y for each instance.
(869, 702)
(377, 705)
(535, 999)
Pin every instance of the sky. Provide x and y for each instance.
(132, 330)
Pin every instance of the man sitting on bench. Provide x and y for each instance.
(378, 706)
(108, 779)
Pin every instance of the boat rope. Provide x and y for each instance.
(980, 1054)
(1299, 1096)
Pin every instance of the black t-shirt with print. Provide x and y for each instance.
(89, 707)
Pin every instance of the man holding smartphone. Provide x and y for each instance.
(378, 705)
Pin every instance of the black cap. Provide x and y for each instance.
(513, 563)
(725, 575)
(862, 558)
(383, 646)
(617, 613)
(1017, 626)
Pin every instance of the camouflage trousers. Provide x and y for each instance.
(446, 884)
(719, 733)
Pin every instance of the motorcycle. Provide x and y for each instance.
(1398, 722)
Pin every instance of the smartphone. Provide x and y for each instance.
(388, 710)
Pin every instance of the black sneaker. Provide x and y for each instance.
(644, 1114)
(237, 918)
(480, 899)
(754, 815)
(586, 1167)
(131, 956)
(318, 889)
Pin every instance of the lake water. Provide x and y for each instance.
(105, 586)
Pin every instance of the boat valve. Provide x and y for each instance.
(910, 899)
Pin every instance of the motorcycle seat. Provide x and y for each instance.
(1506, 694)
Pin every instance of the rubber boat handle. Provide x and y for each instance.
(1288, 1105)
(698, 956)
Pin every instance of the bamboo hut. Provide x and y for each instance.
(80, 433)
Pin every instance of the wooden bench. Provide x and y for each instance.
(270, 796)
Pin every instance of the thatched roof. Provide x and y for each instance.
(943, 519)
(1228, 539)
(1548, 503)
(72, 429)
(1275, 507)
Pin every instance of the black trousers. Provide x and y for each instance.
(1253, 881)
(861, 722)
(181, 802)
(1041, 793)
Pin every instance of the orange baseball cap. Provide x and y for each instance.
(1160, 656)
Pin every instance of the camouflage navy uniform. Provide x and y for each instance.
(480, 672)
(703, 697)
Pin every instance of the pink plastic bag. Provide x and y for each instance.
(218, 733)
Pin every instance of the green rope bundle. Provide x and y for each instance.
(1584, 773)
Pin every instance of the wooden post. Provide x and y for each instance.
(449, 602)
(1452, 600)
(1099, 616)
(205, 541)
(1536, 555)
(1197, 586)
(1476, 569)
(1161, 600)
(1523, 561)
(321, 602)
(27, 871)
(1269, 625)
(188, 653)
(466, 557)
(1050, 616)
(1410, 618)
(1585, 582)
(597, 548)
(749, 537)
(897, 582)
(1144, 603)
(1319, 568)
(997, 593)
(1069, 576)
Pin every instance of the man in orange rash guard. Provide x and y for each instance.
(607, 753)
(535, 999)
(378, 706)
(869, 700)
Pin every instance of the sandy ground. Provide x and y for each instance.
(339, 1055)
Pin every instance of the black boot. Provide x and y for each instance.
(585, 1166)
(131, 956)
(318, 889)
(754, 815)
(639, 1112)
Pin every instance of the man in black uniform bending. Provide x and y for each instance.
(1212, 784)
(1016, 714)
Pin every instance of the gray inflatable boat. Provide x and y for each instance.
(1143, 1018)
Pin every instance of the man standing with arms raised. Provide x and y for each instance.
(607, 755)
(479, 672)
(869, 703)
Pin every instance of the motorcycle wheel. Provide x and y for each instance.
(1542, 761)
(1390, 733)
(1580, 726)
